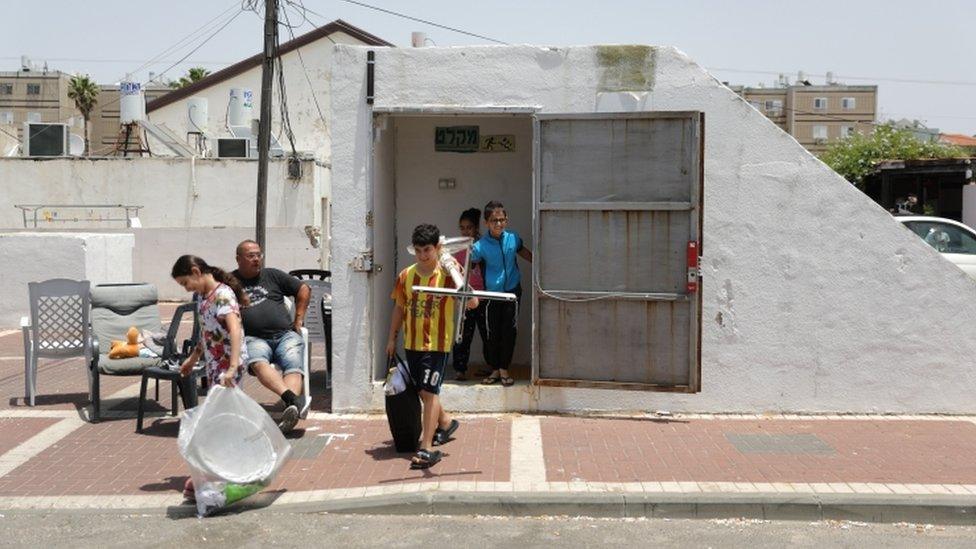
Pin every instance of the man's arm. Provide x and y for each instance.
(302, 298)
(525, 254)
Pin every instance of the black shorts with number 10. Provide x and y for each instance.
(427, 369)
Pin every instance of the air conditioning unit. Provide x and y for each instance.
(41, 139)
(233, 147)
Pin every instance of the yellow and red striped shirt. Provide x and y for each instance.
(428, 321)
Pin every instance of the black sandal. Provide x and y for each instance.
(425, 459)
(507, 381)
(443, 436)
(490, 380)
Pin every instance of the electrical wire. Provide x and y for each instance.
(194, 50)
(308, 79)
(416, 19)
(899, 80)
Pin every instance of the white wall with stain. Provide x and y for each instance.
(814, 298)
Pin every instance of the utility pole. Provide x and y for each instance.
(264, 125)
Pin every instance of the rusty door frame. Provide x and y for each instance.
(696, 208)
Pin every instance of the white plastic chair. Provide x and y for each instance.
(58, 327)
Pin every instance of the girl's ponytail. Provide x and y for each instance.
(184, 267)
(221, 275)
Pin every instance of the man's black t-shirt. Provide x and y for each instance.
(266, 316)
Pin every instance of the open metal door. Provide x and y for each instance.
(617, 224)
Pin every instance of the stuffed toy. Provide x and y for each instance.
(129, 349)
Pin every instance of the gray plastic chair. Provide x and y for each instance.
(114, 309)
(318, 317)
(58, 326)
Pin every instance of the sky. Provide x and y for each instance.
(919, 54)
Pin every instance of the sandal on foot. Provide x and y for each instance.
(490, 380)
(443, 436)
(425, 459)
(507, 381)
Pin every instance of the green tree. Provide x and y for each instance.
(84, 92)
(192, 75)
(856, 156)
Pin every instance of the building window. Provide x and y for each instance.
(820, 103)
(6, 117)
(774, 107)
(848, 103)
(820, 133)
(33, 117)
(6, 89)
(847, 131)
(33, 89)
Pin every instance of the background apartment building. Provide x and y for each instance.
(816, 114)
(35, 94)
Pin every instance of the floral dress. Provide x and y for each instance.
(213, 309)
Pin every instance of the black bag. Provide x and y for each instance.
(403, 415)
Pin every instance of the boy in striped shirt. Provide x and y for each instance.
(428, 336)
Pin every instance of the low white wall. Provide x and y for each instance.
(174, 192)
(814, 299)
(33, 257)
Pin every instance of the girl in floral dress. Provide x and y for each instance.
(219, 297)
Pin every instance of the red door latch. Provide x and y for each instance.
(692, 266)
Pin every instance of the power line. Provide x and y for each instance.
(417, 19)
(308, 79)
(194, 50)
(84, 60)
(196, 33)
(899, 80)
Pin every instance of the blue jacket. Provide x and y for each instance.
(501, 264)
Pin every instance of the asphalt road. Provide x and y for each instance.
(255, 529)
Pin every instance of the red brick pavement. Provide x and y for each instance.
(882, 451)
(16, 431)
(109, 458)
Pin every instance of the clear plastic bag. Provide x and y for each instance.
(233, 447)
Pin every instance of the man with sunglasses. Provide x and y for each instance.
(498, 250)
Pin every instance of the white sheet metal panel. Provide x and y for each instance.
(617, 200)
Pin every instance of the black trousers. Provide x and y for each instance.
(473, 318)
(502, 320)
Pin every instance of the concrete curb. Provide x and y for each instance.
(878, 508)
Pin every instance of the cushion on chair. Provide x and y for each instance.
(125, 366)
(117, 307)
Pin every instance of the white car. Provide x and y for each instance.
(954, 240)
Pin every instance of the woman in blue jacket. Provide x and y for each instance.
(497, 249)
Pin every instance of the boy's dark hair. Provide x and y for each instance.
(492, 206)
(472, 215)
(425, 234)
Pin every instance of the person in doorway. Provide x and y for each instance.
(497, 250)
(428, 334)
(906, 206)
(473, 318)
(274, 341)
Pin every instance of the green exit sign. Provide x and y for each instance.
(456, 139)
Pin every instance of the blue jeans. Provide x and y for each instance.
(286, 352)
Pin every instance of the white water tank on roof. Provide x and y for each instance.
(132, 102)
(239, 107)
(196, 112)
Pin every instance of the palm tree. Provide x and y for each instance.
(84, 92)
(192, 75)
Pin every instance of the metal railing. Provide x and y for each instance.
(31, 213)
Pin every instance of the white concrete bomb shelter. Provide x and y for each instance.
(812, 298)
